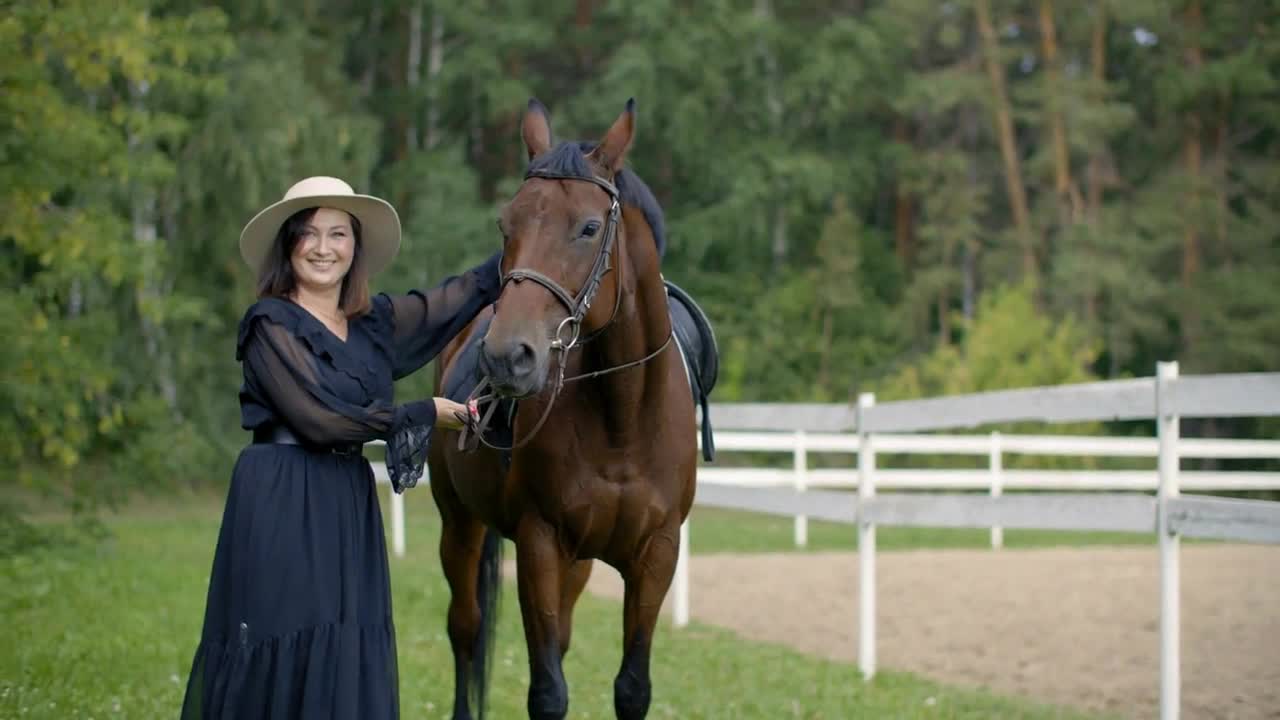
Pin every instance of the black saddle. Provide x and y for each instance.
(701, 355)
(693, 335)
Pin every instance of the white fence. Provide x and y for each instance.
(800, 443)
(1166, 398)
(995, 479)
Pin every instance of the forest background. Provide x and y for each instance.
(910, 197)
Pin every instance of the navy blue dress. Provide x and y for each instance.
(298, 614)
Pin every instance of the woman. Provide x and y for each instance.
(298, 616)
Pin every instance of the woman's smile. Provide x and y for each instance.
(324, 251)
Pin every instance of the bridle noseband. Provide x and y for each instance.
(577, 305)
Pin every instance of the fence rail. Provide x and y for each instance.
(1198, 396)
(995, 479)
(982, 479)
(788, 439)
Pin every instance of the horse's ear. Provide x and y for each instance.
(612, 150)
(536, 129)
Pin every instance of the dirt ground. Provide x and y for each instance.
(1075, 627)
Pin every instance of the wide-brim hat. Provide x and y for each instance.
(379, 223)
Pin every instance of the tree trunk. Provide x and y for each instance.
(413, 75)
(582, 23)
(369, 77)
(1008, 146)
(1096, 172)
(824, 362)
(1068, 197)
(435, 63)
(779, 238)
(903, 212)
(1221, 189)
(1098, 61)
(944, 319)
(903, 217)
(147, 295)
(764, 13)
(666, 175)
(75, 299)
(475, 133)
(969, 299)
(1192, 154)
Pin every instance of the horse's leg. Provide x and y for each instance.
(540, 574)
(647, 580)
(575, 579)
(461, 544)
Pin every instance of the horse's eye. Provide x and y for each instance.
(591, 229)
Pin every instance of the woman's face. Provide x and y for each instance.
(324, 251)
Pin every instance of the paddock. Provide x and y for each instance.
(1076, 627)
(1144, 632)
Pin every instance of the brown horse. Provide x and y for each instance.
(603, 422)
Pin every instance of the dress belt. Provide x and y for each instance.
(282, 435)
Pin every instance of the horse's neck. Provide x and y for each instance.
(641, 327)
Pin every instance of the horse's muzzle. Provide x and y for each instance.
(512, 367)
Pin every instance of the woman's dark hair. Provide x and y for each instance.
(277, 280)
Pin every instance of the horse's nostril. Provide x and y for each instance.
(522, 358)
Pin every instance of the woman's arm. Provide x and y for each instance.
(283, 371)
(425, 322)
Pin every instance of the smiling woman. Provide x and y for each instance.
(314, 258)
(298, 613)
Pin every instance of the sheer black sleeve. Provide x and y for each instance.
(425, 322)
(279, 366)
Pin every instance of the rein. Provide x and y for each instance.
(578, 306)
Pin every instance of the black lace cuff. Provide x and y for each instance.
(408, 442)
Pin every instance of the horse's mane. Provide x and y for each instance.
(570, 158)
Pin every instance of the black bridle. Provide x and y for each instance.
(577, 305)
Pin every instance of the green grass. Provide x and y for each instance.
(107, 631)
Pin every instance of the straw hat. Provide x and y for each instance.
(379, 223)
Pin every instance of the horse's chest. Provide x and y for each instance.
(600, 508)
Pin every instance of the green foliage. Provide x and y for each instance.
(832, 175)
(1008, 344)
(95, 102)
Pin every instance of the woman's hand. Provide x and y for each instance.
(449, 414)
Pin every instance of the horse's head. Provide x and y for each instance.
(560, 233)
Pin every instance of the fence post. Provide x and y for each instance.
(866, 544)
(397, 521)
(1167, 432)
(680, 611)
(997, 486)
(802, 481)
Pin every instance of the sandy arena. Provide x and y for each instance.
(1074, 627)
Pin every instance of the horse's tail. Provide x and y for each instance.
(488, 592)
